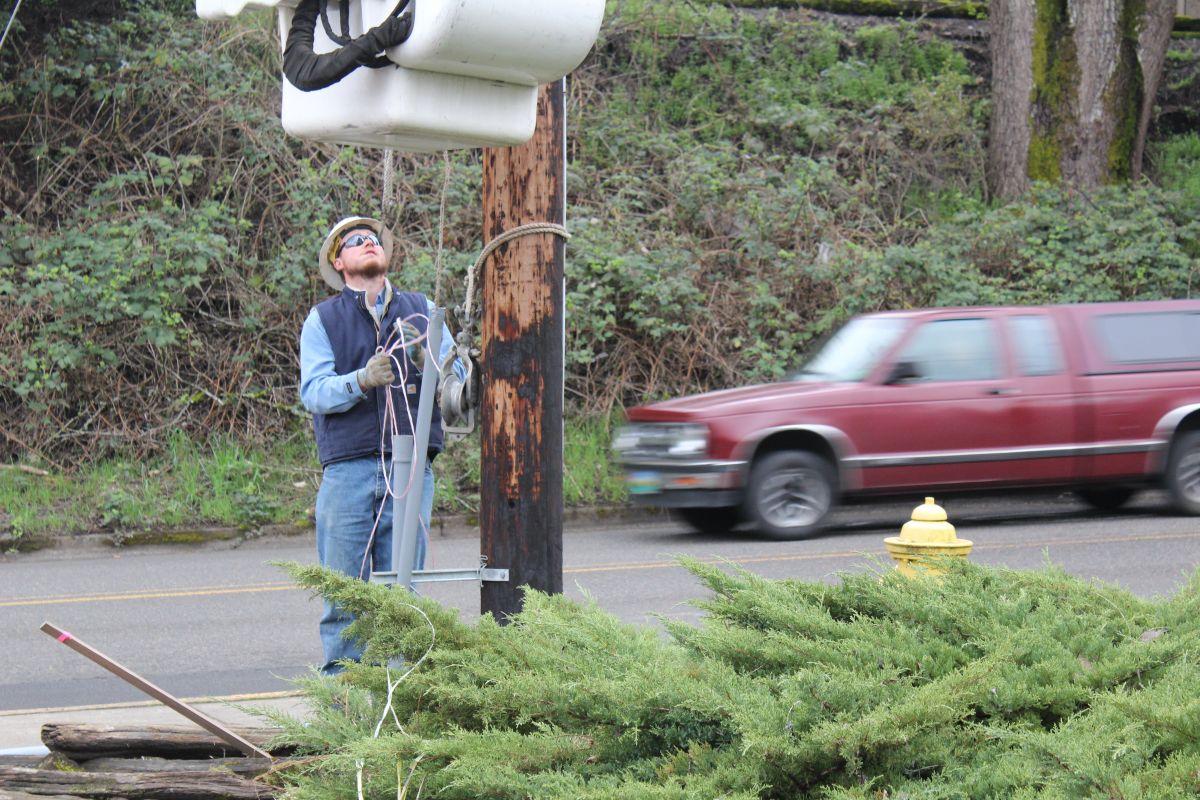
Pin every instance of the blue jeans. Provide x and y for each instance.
(352, 494)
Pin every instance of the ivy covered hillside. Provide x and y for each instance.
(741, 179)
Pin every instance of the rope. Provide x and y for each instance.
(388, 201)
(507, 236)
(441, 231)
(11, 18)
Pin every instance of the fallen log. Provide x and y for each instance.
(245, 766)
(84, 742)
(111, 785)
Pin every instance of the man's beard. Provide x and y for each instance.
(370, 270)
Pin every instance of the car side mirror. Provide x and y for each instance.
(902, 371)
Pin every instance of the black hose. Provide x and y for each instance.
(309, 71)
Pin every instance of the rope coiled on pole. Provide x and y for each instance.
(507, 236)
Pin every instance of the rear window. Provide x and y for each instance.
(1149, 338)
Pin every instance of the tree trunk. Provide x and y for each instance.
(82, 741)
(1154, 39)
(1012, 84)
(243, 767)
(1073, 84)
(117, 786)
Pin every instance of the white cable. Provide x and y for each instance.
(11, 17)
(391, 421)
(387, 709)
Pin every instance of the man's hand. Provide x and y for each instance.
(415, 350)
(377, 372)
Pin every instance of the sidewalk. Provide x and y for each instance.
(20, 730)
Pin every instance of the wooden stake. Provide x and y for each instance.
(195, 715)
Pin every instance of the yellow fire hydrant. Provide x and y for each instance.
(925, 536)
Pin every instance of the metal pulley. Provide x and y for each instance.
(460, 396)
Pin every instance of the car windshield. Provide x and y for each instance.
(853, 351)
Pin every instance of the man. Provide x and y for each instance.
(346, 377)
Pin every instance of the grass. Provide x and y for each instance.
(226, 483)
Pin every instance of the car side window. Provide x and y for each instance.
(1035, 345)
(953, 350)
(1148, 338)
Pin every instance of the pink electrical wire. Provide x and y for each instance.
(390, 346)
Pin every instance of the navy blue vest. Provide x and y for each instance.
(361, 430)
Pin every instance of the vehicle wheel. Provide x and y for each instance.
(718, 519)
(1183, 473)
(790, 494)
(1106, 498)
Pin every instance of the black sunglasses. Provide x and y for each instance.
(354, 240)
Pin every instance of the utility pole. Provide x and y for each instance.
(522, 359)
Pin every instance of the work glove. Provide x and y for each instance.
(415, 350)
(377, 372)
(389, 33)
(309, 71)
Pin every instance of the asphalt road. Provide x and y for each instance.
(220, 619)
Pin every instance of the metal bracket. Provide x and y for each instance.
(480, 573)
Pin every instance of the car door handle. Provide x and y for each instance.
(1002, 391)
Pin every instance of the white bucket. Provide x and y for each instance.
(467, 76)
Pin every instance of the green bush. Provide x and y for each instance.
(988, 683)
(1119, 244)
(1178, 165)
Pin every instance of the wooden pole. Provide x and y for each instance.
(129, 676)
(522, 343)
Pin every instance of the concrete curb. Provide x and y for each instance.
(21, 729)
(446, 526)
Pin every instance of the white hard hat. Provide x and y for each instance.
(333, 240)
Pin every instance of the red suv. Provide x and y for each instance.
(1103, 398)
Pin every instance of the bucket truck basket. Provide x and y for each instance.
(466, 77)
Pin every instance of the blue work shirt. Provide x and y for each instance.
(322, 390)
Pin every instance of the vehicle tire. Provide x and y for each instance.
(790, 494)
(1183, 472)
(716, 519)
(1106, 498)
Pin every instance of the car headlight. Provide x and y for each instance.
(662, 439)
(690, 440)
(626, 438)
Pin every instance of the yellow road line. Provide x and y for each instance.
(617, 567)
(147, 595)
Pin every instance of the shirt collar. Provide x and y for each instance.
(382, 300)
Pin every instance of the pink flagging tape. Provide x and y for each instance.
(62, 637)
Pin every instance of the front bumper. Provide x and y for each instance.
(675, 484)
